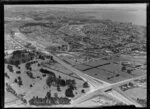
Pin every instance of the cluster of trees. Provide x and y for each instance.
(58, 82)
(45, 71)
(41, 57)
(18, 81)
(10, 89)
(71, 87)
(52, 80)
(19, 56)
(124, 69)
(28, 66)
(69, 91)
(6, 75)
(10, 68)
(30, 74)
(142, 101)
(49, 100)
(13, 62)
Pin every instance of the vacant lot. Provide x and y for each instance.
(137, 93)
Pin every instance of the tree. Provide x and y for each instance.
(59, 77)
(85, 85)
(15, 80)
(72, 87)
(117, 75)
(58, 88)
(129, 71)
(48, 95)
(56, 98)
(30, 85)
(131, 84)
(11, 62)
(82, 91)
(123, 68)
(62, 83)
(28, 66)
(55, 95)
(69, 92)
(73, 82)
(18, 72)
(50, 79)
(30, 74)
(23, 60)
(17, 62)
(38, 65)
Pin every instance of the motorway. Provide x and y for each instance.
(97, 86)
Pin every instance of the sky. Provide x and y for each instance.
(137, 6)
